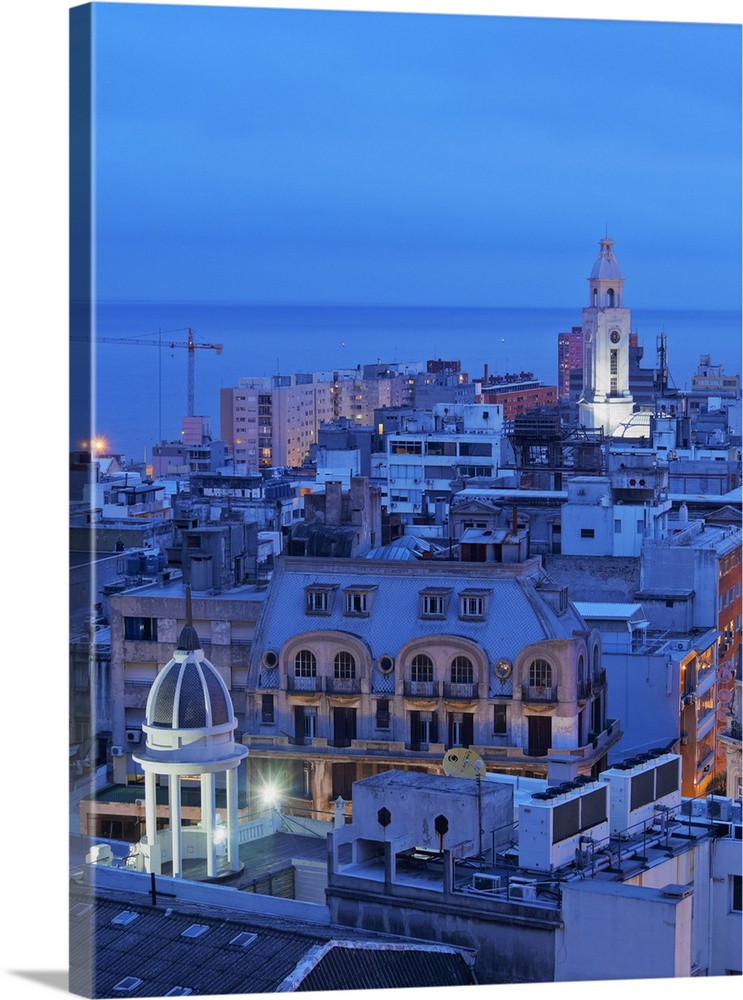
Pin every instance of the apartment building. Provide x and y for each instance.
(275, 422)
(359, 665)
(432, 448)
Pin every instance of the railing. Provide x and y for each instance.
(529, 693)
(304, 683)
(343, 685)
(584, 690)
(463, 691)
(424, 689)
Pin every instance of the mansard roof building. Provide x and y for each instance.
(358, 666)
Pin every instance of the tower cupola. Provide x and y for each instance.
(606, 281)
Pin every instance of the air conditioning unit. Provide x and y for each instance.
(719, 808)
(690, 698)
(486, 883)
(117, 751)
(139, 803)
(521, 890)
(133, 735)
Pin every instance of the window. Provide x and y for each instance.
(472, 604)
(540, 674)
(421, 669)
(267, 710)
(382, 720)
(144, 629)
(617, 526)
(357, 600)
(472, 449)
(318, 600)
(587, 533)
(500, 720)
(461, 670)
(310, 723)
(736, 893)
(305, 664)
(344, 667)
(434, 603)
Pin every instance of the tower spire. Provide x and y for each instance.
(189, 640)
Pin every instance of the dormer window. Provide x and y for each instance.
(473, 604)
(318, 600)
(434, 602)
(357, 600)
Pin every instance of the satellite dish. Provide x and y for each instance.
(461, 763)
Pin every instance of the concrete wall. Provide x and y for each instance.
(642, 691)
(727, 924)
(595, 578)
(221, 896)
(514, 944)
(611, 931)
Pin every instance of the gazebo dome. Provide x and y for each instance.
(189, 694)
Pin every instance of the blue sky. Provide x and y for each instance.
(385, 158)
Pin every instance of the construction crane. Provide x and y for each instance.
(190, 345)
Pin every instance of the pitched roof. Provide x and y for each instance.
(120, 940)
(394, 617)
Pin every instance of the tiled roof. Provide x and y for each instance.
(360, 967)
(516, 615)
(121, 940)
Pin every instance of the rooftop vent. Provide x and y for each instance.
(124, 918)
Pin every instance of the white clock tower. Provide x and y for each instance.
(606, 400)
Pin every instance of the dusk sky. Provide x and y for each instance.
(278, 156)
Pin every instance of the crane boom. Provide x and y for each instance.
(190, 345)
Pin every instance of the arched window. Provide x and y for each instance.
(581, 668)
(596, 659)
(421, 669)
(305, 664)
(461, 670)
(595, 297)
(344, 666)
(610, 298)
(540, 674)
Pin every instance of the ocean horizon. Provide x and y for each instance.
(141, 390)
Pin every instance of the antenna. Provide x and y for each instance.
(460, 763)
(189, 610)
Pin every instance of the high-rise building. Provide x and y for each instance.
(569, 358)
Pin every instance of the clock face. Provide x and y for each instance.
(614, 336)
(502, 669)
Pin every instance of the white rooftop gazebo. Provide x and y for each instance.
(189, 726)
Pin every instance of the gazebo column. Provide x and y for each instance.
(150, 806)
(233, 846)
(208, 807)
(174, 795)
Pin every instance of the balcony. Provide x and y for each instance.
(529, 693)
(584, 690)
(422, 689)
(344, 685)
(303, 683)
(461, 692)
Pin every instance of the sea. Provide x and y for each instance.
(141, 381)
